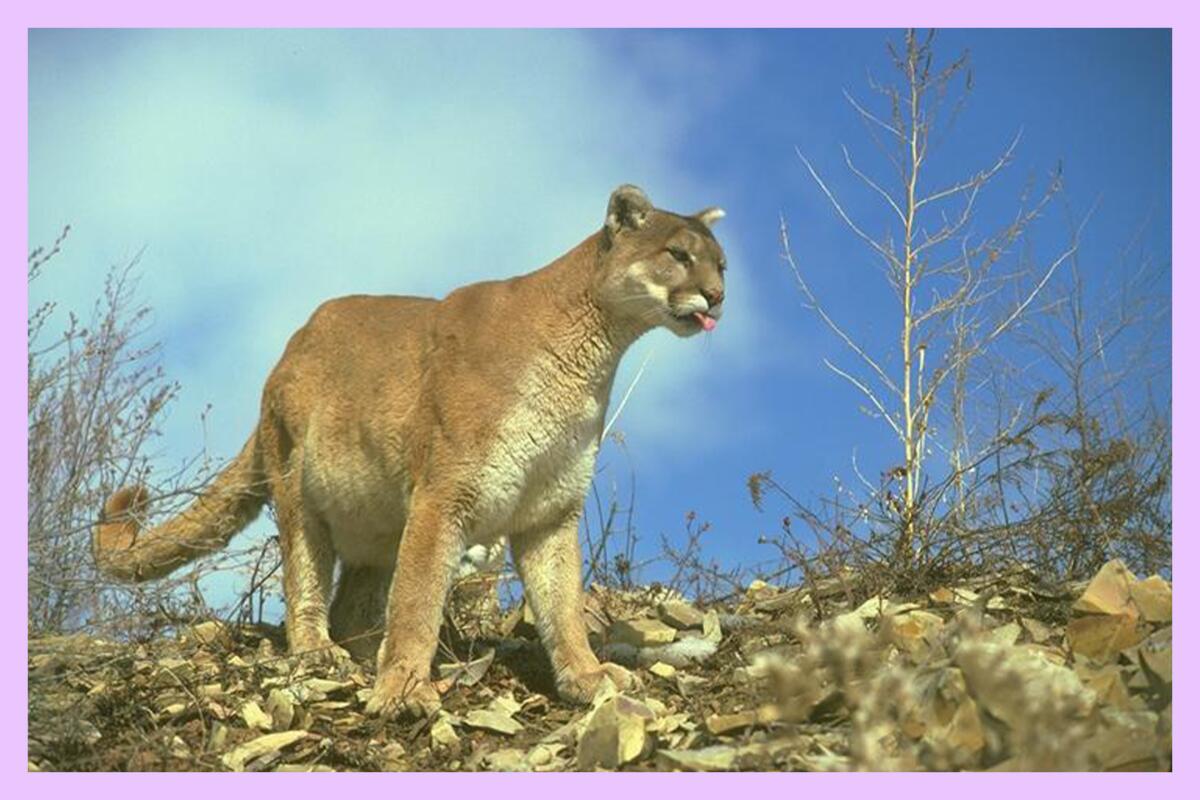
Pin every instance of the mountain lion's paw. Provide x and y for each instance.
(400, 695)
(582, 687)
(324, 655)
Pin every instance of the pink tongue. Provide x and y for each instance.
(706, 322)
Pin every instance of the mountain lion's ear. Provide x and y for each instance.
(709, 216)
(628, 208)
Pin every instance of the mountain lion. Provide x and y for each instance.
(396, 432)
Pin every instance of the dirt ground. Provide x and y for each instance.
(1002, 674)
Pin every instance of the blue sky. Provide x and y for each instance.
(266, 171)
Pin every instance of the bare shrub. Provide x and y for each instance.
(1057, 468)
(97, 398)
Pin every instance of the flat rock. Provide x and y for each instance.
(281, 706)
(1006, 634)
(847, 624)
(680, 615)
(784, 601)
(662, 670)
(1006, 681)
(394, 757)
(641, 632)
(1128, 740)
(544, 757)
(1109, 592)
(711, 627)
(492, 720)
(1108, 684)
(616, 734)
(721, 724)
(913, 631)
(964, 730)
(442, 734)
(873, 607)
(962, 596)
(1037, 630)
(759, 589)
(707, 759)
(1153, 598)
(509, 759)
(1156, 661)
(210, 633)
(325, 687)
(254, 717)
(1101, 637)
(467, 673)
(505, 704)
(240, 756)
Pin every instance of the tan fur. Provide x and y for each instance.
(396, 431)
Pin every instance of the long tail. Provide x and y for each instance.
(124, 551)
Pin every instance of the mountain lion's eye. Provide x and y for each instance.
(682, 256)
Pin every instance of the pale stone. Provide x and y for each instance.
(281, 705)
(1007, 680)
(1108, 684)
(254, 716)
(325, 687)
(1038, 631)
(506, 760)
(873, 607)
(1128, 740)
(492, 720)
(467, 673)
(641, 632)
(707, 759)
(720, 724)
(1102, 637)
(760, 589)
(544, 757)
(442, 734)
(210, 633)
(680, 615)
(712, 627)
(217, 736)
(662, 670)
(914, 631)
(1157, 662)
(1153, 598)
(1109, 592)
(505, 704)
(616, 734)
(848, 624)
(1006, 634)
(785, 600)
(240, 756)
(393, 757)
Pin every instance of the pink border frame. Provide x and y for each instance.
(613, 13)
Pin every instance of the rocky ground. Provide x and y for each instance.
(1005, 673)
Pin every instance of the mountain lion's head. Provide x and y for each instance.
(659, 268)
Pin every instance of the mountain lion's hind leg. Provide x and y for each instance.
(430, 549)
(307, 574)
(359, 603)
(550, 565)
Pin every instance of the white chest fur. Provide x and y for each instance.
(541, 462)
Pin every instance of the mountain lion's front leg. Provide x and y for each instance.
(551, 568)
(430, 549)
